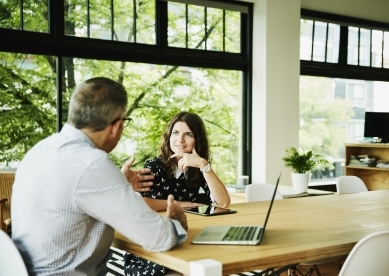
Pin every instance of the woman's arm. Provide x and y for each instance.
(216, 186)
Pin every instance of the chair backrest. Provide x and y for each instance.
(11, 262)
(369, 256)
(349, 184)
(261, 191)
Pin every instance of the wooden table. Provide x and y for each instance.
(298, 230)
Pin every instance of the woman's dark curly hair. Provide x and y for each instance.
(195, 123)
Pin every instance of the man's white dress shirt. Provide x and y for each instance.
(68, 197)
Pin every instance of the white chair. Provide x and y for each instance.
(11, 262)
(369, 256)
(350, 184)
(260, 192)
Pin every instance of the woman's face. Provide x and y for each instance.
(181, 138)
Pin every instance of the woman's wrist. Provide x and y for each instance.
(206, 168)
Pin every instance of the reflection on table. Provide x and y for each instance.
(241, 196)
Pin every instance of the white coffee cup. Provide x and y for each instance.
(243, 180)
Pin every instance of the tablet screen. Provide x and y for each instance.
(208, 210)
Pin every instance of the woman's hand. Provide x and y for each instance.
(141, 180)
(186, 160)
(216, 186)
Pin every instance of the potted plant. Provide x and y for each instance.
(301, 164)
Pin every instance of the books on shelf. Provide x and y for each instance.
(359, 164)
(289, 193)
(362, 160)
(383, 164)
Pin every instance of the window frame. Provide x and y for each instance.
(341, 69)
(56, 43)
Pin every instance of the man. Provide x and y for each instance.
(68, 196)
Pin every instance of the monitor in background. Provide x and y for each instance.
(377, 125)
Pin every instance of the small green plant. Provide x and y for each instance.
(301, 162)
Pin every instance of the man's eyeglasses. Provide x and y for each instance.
(126, 121)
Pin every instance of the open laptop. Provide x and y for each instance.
(245, 235)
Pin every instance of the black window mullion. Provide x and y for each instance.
(371, 48)
(224, 31)
(186, 25)
(383, 45)
(343, 45)
(134, 19)
(313, 38)
(205, 29)
(246, 38)
(359, 44)
(56, 18)
(161, 23)
(326, 44)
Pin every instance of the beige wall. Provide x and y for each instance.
(276, 70)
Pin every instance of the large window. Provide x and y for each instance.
(344, 73)
(170, 56)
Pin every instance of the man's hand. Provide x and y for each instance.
(141, 180)
(174, 211)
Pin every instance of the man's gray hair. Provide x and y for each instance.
(96, 103)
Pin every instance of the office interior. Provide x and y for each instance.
(276, 56)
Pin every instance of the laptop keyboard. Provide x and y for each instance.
(245, 233)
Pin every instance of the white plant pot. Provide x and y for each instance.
(300, 181)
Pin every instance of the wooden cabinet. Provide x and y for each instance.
(374, 178)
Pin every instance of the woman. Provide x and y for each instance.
(181, 169)
(182, 166)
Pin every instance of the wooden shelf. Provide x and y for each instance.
(367, 168)
(374, 178)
